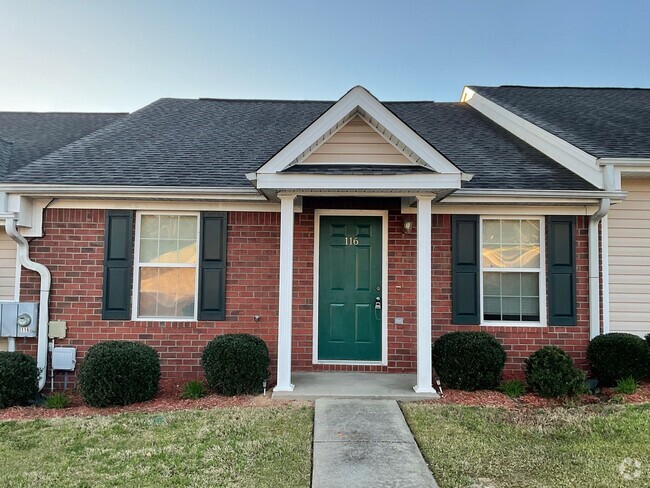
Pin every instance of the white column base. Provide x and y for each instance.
(287, 388)
(424, 389)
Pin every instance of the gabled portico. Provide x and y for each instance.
(406, 166)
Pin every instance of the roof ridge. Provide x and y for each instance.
(564, 87)
(60, 113)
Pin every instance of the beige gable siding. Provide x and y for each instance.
(629, 260)
(7, 272)
(357, 142)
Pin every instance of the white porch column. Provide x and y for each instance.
(424, 384)
(286, 293)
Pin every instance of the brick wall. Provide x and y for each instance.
(73, 250)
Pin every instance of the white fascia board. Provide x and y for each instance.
(180, 193)
(574, 159)
(505, 209)
(522, 197)
(413, 182)
(625, 162)
(357, 97)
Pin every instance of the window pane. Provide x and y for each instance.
(511, 256)
(492, 284)
(149, 226)
(530, 309)
(529, 285)
(187, 251)
(492, 256)
(148, 250)
(169, 227)
(187, 227)
(168, 251)
(491, 231)
(529, 257)
(511, 308)
(492, 308)
(530, 232)
(510, 230)
(511, 284)
(167, 292)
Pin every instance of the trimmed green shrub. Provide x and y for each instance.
(18, 379)
(469, 360)
(119, 373)
(550, 373)
(616, 356)
(193, 389)
(57, 400)
(236, 364)
(647, 339)
(513, 388)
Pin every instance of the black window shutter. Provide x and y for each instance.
(465, 269)
(561, 270)
(212, 266)
(118, 265)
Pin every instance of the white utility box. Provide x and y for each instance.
(64, 358)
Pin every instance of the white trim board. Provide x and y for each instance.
(359, 101)
(384, 284)
(571, 157)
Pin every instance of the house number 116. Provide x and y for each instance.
(351, 241)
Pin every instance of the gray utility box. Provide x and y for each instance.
(18, 319)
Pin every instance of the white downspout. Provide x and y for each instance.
(604, 237)
(46, 282)
(594, 268)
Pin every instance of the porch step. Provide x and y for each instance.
(312, 386)
(359, 443)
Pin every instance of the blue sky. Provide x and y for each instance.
(120, 55)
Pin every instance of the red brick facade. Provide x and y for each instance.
(72, 248)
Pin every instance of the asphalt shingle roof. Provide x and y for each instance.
(27, 136)
(604, 122)
(214, 143)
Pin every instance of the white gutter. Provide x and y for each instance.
(44, 298)
(594, 268)
(604, 237)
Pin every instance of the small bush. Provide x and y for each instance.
(193, 390)
(513, 388)
(236, 364)
(647, 339)
(550, 373)
(616, 356)
(626, 386)
(18, 379)
(469, 360)
(119, 373)
(57, 400)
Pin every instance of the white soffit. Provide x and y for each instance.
(358, 101)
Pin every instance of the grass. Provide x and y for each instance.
(560, 447)
(626, 386)
(193, 390)
(513, 388)
(57, 400)
(243, 447)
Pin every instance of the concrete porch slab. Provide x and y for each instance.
(378, 386)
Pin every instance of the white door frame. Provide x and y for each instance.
(384, 283)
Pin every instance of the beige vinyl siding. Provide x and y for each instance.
(629, 260)
(357, 142)
(7, 273)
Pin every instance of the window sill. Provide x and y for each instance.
(512, 324)
(163, 319)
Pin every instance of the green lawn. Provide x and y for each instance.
(487, 447)
(243, 447)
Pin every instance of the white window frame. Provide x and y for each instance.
(541, 270)
(137, 266)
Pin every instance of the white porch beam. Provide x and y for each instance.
(286, 293)
(424, 383)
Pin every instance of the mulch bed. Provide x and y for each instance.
(168, 400)
(530, 400)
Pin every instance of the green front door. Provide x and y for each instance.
(349, 283)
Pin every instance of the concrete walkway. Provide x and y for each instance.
(365, 443)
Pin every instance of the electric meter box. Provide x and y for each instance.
(64, 358)
(18, 319)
